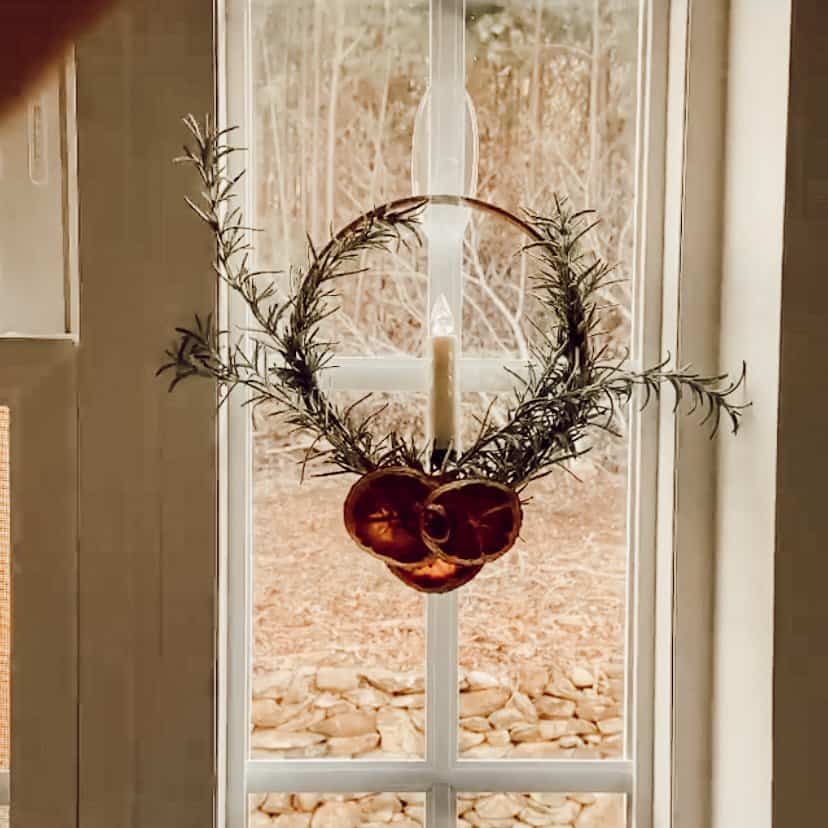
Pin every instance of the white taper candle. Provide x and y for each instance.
(444, 398)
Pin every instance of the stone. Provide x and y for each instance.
(497, 806)
(341, 706)
(526, 733)
(337, 815)
(303, 720)
(536, 750)
(553, 729)
(531, 816)
(272, 685)
(609, 727)
(532, 680)
(567, 813)
(337, 678)
(393, 682)
(352, 745)
(310, 752)
(417, 719)
(582, 798)
(608, 810)
(327, 700)
(381, 807)
(597, 708)
(570, 741)
(293, 821)
(581, 677)
(499, 738)
(467, 739)
(268, 713)
(417, 813)
(548, 800)
(347, 724)
(275, 739)
(306, 801)
(483, 702)
(562, 688)
(506, 718)
(409, 700)
(276, 803)
(524, 705)
(397, 733)
(551, 707)
(485, 751)
(299, 691)
(580, 727)
(479, 680)
(260, 820)
(369, 697)
(477, 724)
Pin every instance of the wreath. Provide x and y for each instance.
(434, 517)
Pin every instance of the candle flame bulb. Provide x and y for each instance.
(442, 319)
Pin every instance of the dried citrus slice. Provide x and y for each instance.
(382, 514)
(436, 575)
(471, 521)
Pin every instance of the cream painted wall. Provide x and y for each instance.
(752, 266)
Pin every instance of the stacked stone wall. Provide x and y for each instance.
(344, 712)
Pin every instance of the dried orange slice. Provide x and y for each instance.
(470, 522)
(382, 514)
(436, 575)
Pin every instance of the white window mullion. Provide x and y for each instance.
(442, 701)
(469, 775)
(410, 374)
(446, 152)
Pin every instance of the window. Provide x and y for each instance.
(536, 676)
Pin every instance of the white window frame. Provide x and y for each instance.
(650, 512)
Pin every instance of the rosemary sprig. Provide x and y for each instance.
(568, 393)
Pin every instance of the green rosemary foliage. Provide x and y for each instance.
(568, 391)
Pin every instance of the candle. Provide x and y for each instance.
(444, 397)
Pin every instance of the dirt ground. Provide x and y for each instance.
(556, 600)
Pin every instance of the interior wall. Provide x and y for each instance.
(800, 689)
(756, 121)
(147, 481)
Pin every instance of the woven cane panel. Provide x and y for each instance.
(5, 589)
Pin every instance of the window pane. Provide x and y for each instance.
(586, 810)
(5, 591)
(338, 641)
(336, 87)
(542, 630)
(313, 810)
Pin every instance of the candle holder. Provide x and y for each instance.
(434, 514)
